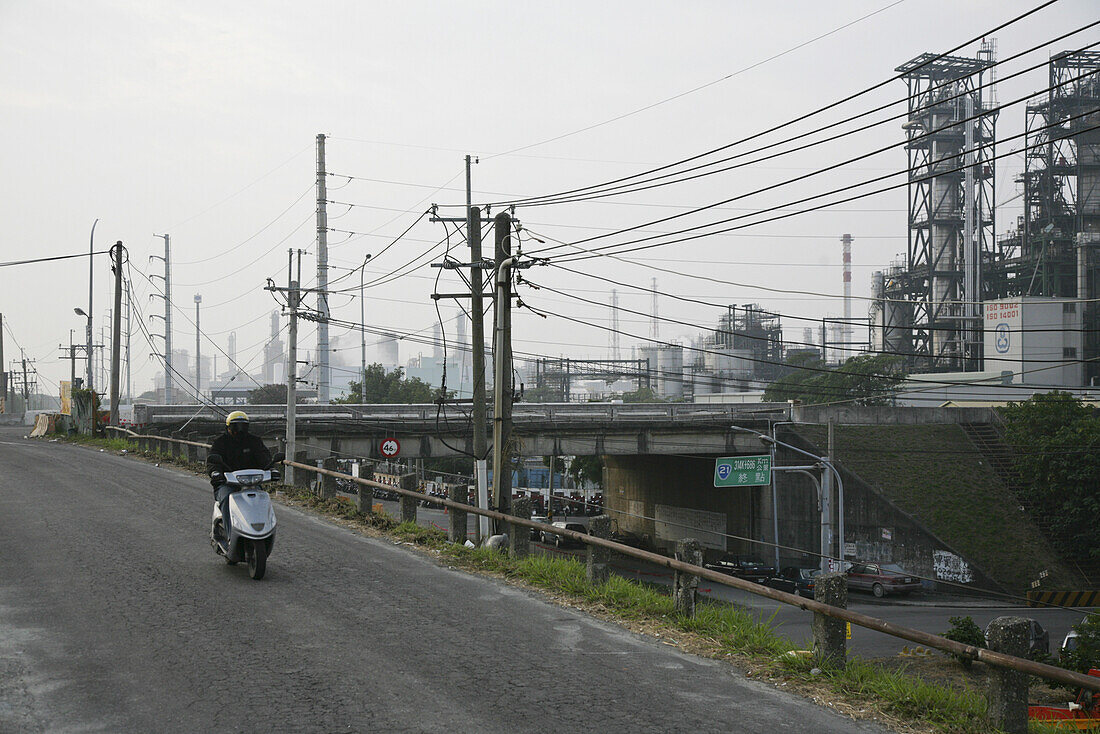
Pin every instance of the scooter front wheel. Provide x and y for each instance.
(257, 559)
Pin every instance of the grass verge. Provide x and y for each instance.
(860, 689)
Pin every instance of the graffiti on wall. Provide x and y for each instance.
(949, 567)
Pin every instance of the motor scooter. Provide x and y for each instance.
(251, 516)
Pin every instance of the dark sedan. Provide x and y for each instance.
(750, 568)
(803, 579)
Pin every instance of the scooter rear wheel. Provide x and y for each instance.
(257, 559)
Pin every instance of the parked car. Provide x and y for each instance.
(537, 534)
(560, 541)
(1038, 639)
(803, 579)
(751, 568)
(881, 579)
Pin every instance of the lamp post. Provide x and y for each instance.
(824, 485)
(91, 250)
(363, 328)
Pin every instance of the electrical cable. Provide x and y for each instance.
(601, 251)
(910, 170)
(932, 59)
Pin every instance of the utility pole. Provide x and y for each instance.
(198, 345)
(502, 366)
(167, 316)
(129, 312)
(325, 378)
(116, 332)
(293, 300)
(3, 373)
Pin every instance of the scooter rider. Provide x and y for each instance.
(238, 449)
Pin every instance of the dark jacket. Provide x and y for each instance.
(246, 452)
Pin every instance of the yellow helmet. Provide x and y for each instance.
(237, 416)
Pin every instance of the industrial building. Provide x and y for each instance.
(963, 300)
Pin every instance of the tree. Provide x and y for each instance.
(863, 380)
(642, 395)
(378, 386)
(587, 468)
(270, 395)
(1057, 439)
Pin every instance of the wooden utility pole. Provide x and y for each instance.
(116, 331)
(502, 366)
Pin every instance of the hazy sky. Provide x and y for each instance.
(198, 119)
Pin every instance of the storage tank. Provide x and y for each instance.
(670, 380)
(386, 350)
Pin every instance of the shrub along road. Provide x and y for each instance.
(115, 615)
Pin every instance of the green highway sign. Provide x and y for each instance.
(742, 471)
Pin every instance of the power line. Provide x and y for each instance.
(821, 109)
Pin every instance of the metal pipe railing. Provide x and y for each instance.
(990, 657)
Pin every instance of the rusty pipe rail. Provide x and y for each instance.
(990, 657)
(1022, 665)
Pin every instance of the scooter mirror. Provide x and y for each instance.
(277, 458)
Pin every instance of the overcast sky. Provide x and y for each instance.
(199, 119)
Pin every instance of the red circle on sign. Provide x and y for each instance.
(390, 447)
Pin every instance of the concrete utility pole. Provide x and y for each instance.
(129, 313)
(325, 377)
(167, 316)
(477, 331)
(198, 347)
(293, 299)
(116, 333)
(4, 374)
(502, 367)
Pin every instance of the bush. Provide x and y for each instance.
(966, 631)
(1087, 653)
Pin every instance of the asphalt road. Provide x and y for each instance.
(928, 612)
(116, 616)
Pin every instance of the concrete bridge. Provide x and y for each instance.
(539, 429)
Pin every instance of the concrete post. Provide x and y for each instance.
(519, 537)
(830, 645)
(408, 504)
(174, 446)
(1008, 688)
(328, 484)
(365, 501)
(688, 550)
(303, 477)
(597, 558)
(192, 453)
(458, 526)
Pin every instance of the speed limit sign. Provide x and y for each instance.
(391, 447)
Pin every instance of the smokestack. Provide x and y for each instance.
(846, 329)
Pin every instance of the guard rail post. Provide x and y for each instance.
(597, 561)
(1008, 688)
(408, 504)
(830, 645)
(327, 484)
(519, 537)
(175, 446)
(192, 453)
(458, 522)
(364, 501)
(302, 479)
(688, 550)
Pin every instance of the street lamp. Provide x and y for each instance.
(824, 488)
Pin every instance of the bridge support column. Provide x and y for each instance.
(597, 561)
(519, 537)
(364, 502)
(458, 526)
(1008, 688)
(684, 585)
(830, 645)
(408, 504)
(327, 484)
